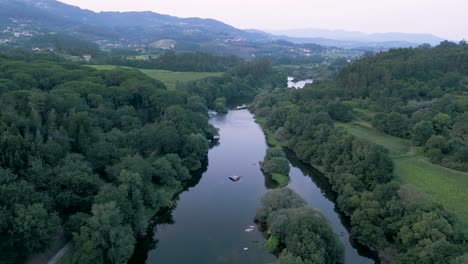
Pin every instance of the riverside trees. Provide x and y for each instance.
(99, 152)
(398, 222)
(93, 150)
(301, 233)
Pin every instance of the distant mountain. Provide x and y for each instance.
(348, 39)
(26, 17)
(348, 44)
(28, 21)
(37, 23)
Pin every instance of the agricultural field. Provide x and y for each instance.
(396, 146)
(170, 78)
(444, 186)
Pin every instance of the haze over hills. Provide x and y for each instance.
(353, 39)
(127, 26)
(23, 19)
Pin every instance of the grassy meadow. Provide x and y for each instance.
(281, 179)
(445, 186)
(169, 78)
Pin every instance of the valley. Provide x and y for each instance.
(140, 137)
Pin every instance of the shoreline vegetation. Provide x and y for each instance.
(388, 255)
(92, 150)
(297, 233)
(276, 165)
(98, 152)
(390, 217)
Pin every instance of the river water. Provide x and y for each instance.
(208, 225)
(298, 84)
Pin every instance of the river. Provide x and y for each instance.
(292, 83)
(208, 225)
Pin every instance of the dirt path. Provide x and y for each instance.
(60, 254)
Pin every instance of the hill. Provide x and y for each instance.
(20, 20)
(356, 39)
(390, 134)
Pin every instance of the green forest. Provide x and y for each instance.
(98, 152)
(417, 94)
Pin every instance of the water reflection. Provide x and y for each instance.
(209, 221)
(163, 217)
(315, 188)
(208, 225)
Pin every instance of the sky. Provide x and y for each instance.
(445, 18)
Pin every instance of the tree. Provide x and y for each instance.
(220, 105)
(276, 165)
(194, 150)
(197, 104)
(276, 152)
(34, 226)
(104, 238)
(74, 223)
(74, 184)
(396, 124)
(340, 111)
(288, 258)
(441, 122)
(422, 131)
(275, 200)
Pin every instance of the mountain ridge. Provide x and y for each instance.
(143, 28)
(357, 36)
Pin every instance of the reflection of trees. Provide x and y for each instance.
(324, 185)
(269, 182)
(317, 177)
(163, 216)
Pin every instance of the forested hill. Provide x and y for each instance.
(98, 152)
(418, 73)
(419, 94)
(51, 15)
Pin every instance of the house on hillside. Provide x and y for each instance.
(87, 57)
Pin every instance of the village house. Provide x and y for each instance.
(87, 57)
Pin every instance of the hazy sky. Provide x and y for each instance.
(445, 18)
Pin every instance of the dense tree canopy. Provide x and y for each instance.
(100, 152)
(76, 141)
(400, 224)
(303, 234)
(415, 93)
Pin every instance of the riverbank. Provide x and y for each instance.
(214, 216)
(325, 202)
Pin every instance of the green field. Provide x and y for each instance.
(396, 146)
(169, 78)
(444, 186)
